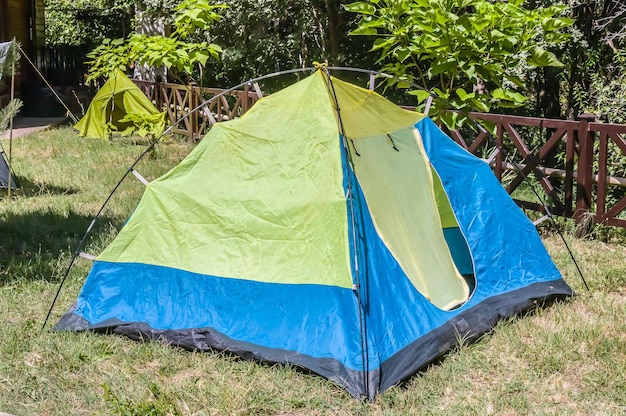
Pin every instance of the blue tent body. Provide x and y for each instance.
(326, 228)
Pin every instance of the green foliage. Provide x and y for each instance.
(463, 51)
(175, 51)
(9, 55)
(258, 36)
(263, 36)
(606, 98)
(8, 58)
(8, 112)
(194, 15)
(86, 22)
(139, 124)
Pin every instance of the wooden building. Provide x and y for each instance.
(24, 21)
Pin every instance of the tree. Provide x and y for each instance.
(85, 23)
(262, 36)
(192, 18)
(599, 30)
(258, 36)
(468, 53)
(588, 58)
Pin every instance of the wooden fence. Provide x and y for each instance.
(178, 100)
(570, 160)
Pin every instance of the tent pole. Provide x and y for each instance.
(9, 162)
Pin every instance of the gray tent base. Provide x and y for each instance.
(467, 326)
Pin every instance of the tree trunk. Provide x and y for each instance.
(333, 30)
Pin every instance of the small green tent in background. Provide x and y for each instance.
(120, 107)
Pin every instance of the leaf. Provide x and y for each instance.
(421, 95)
(216, 48)
(479, 25)
(439, 68)
(551, 24)
(200, 57)
(508, 95)
(441, 94)
(402, 53)
(479, 104)
(364, 31)
(497, 35)
(541, 57)
(360, 7)
(464, 96)
(449, 118)
(557, 37)
(515, 80)
(382, 43)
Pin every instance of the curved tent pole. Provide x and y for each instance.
(253, 80)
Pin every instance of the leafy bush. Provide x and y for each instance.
(464, 52)
(175, 51)
(606, 99)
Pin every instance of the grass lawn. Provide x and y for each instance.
(569, 358)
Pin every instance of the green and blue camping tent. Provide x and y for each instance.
(325, 228)
(120, 107)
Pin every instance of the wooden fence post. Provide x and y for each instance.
(244, 98)
(158, 103)
(194, 102)
(497, 168)
(584, 169)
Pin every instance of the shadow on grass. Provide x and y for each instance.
(37, 245)
(28, 189)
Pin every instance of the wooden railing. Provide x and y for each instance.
(568, 159)
(179, 101)
(607, 211)
(570, 163)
